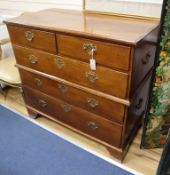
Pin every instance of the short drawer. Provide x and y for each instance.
(75, 117)
(110, 55)
(32, 38)
(106, 108)
(103, 79)
(143, 63)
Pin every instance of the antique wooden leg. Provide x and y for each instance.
(32, 113)
(116, 153)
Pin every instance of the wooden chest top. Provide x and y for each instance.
(117, 29)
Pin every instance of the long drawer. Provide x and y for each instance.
(33, 38)
(103, 79)
(75, 117)
(107, 108)
(110, 55)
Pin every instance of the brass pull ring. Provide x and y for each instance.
(146, 59)
(42, 103)
(38, 82)
(66, 107)
(139, 104)
(62, 88)
(59, 62)
(92, 125)
(29, 35)
(92, 102)
(33, 59)
(89, 47)
(92, 76)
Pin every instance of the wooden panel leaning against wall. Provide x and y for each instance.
(150, 8)
(144, 8)
(35, 5)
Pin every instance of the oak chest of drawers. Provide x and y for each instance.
(90, 73)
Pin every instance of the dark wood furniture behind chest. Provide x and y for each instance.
(53, 48)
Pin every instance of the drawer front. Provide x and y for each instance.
(95, 104)
(137, 110)
(32, 38)
(103, 79)
(110, 55)
(75, 117)
(143, 62)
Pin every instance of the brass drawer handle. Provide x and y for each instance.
(66, 107)
(92, 102)
(38, 82)
(62, 88)
(145, 60)
(139, 104)
(42, 103)
(33, 59)
(92, 125)
(59, 62)
(92, 76)
(89, 47)
(29, 35)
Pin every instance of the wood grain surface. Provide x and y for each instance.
(106, 54)
(73, 116)
(109, 109)
(40, 39)
(108, 80)
(91, 25)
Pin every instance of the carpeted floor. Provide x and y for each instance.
(28, 149)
